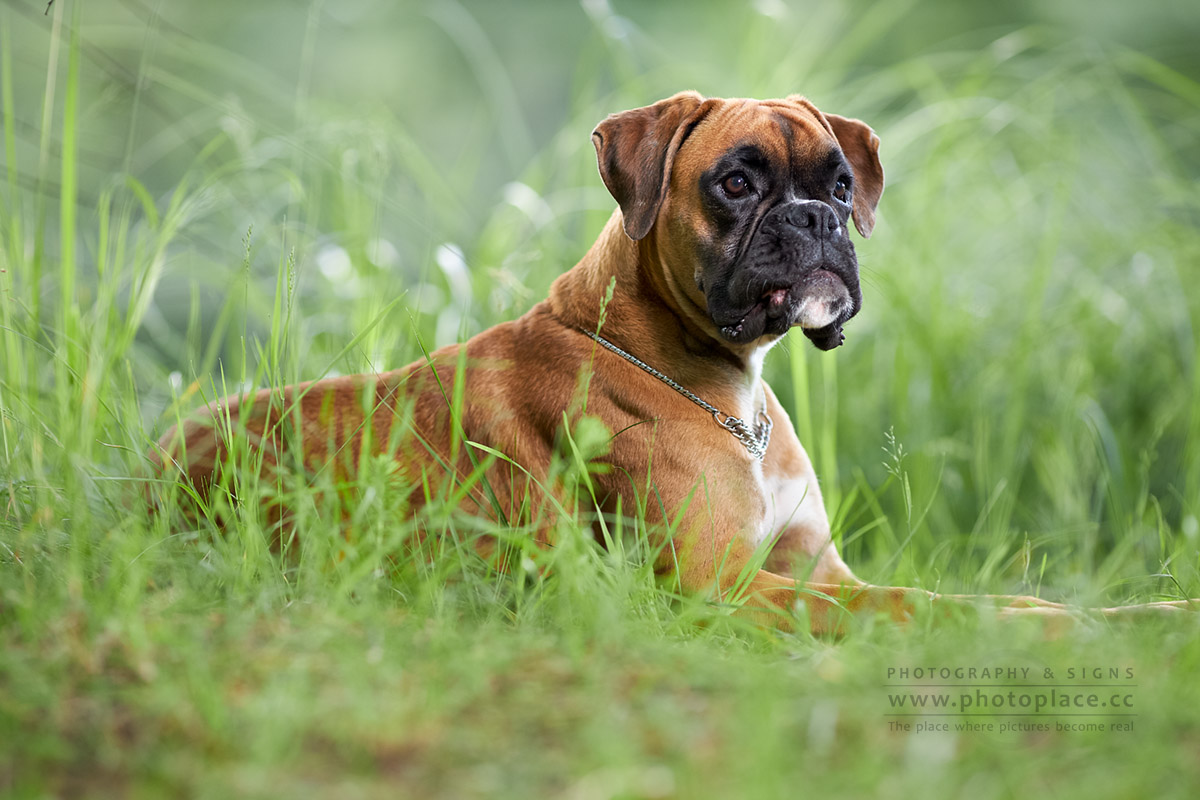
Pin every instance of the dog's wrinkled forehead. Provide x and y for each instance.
(786, 132)
(641, 152)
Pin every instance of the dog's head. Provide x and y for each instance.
(745, 204)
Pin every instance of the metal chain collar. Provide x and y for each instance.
(755, 438)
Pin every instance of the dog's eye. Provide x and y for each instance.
(841, 190)
(736, 185)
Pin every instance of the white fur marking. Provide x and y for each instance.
(793, 503)
(815, 312)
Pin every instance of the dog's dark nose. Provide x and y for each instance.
(814, 216)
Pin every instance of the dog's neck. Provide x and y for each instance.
(656, 321)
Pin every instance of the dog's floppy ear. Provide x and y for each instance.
(635, 150)
(861, 146)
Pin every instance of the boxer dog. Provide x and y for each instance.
(732, 227)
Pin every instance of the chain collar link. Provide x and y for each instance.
(754, 437)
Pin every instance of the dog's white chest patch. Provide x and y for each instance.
(792, 502)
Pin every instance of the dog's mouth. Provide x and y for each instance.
(819, 303)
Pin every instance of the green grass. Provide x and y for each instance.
(1017, 409)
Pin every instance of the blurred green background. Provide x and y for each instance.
(1017, 408)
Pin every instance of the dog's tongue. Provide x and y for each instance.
(773, 301)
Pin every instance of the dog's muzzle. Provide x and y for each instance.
(799, 269)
